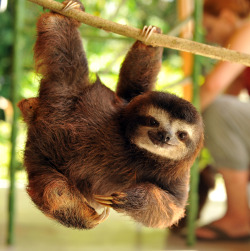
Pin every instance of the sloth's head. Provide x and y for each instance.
(164, 124)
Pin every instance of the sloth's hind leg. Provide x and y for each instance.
(59, 200)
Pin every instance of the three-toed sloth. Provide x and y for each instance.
(89, 147)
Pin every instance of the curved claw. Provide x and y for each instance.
(71, 5)
(104, 215)
(104, 200)
(147, 31)
(108, 201)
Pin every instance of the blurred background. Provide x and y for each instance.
(21, 224)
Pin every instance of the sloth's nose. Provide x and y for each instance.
(160, 137)
(164, 136)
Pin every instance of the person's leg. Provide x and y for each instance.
(228, 140)
(236, 221)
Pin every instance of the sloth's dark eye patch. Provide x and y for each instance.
(182, 136)
(153, 122)
(148, 121)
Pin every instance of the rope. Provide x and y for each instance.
(155, 39)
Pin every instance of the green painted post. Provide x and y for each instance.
(194, 180)
(198, 37)
(16, 79)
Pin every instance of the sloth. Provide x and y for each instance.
(89, 148)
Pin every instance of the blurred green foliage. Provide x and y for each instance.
(100, 46)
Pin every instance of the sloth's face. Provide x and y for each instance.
(160, 134)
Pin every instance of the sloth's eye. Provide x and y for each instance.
(182, 135)
(153, 122)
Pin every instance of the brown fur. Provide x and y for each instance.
(79, 135)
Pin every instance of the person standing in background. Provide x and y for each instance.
(226, 118)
